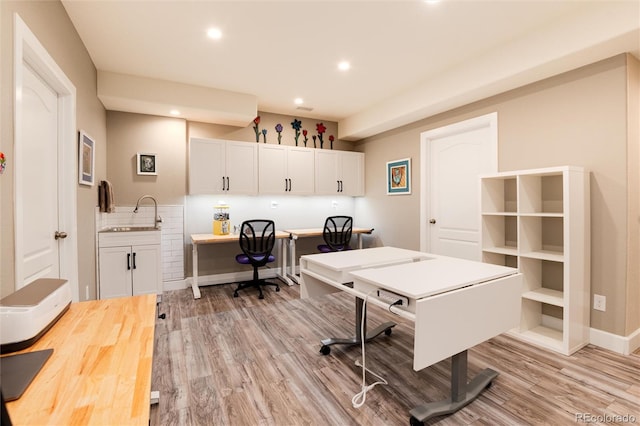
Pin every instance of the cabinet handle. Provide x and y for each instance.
(223, 183)
(134, 261)
(228, 187)
(128, 261)
(286, 186)
(289, 185)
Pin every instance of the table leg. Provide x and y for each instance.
(194, 280)
(462, 393)
(357, 338)
(282, 264)
(292, 259)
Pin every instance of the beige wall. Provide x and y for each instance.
(49, 22)
(578, 118)
(129, 134)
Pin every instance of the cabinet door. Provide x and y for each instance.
(272, 169)
(300, 170)
(241, 168)
(115, 272)
(326, 164)
(146, 271)
(206, 166)
(351, 173)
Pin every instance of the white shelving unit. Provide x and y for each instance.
(538, 221)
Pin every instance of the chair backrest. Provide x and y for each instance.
(337, 232)
(257, 238)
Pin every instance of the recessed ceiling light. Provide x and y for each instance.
(174, 112)
(432, 1)
(298, 101)
(214, 33)
(344, 66)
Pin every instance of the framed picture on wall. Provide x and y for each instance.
(147, 164)
(86, 159)
(399, 177)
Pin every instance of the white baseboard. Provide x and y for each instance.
(624, 345)
(231, 277)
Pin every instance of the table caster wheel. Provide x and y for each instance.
(162, 316)
(415, 422)
(325, 350)
(277, 289)
(387, 332)
(235, 294)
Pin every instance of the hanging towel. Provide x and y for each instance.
(105, 197)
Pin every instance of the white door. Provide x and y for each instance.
(456, 156)
(206, 166)
(242, 168)
(272, 169)
(300, 170)
(46, 171)
(146, 270)
(39, 180)
(115, 272)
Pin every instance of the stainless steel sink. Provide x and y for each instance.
(130, 229)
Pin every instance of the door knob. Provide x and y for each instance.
(59, 235)
(432, 221)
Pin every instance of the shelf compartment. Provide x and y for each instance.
(499, 195)
(541, 193)
(500, 234)
(502, 259)
(538, 326)
(543, 280)
(542, 237)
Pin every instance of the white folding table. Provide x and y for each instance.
(455, 304)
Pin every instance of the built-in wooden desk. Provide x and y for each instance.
(100, 369)
(199, 239)
(313, 232)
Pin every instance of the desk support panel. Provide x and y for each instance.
(462, 393)
(357, 339)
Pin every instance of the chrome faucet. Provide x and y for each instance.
(157, 219)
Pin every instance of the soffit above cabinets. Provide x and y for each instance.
(120, 92)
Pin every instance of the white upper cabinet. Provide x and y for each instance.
(285, 169)
(219, 166)
(339, 172)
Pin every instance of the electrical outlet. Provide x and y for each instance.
(599, 302)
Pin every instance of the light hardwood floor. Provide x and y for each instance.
(221, 360)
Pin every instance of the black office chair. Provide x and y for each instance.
(337, 234)
(257, 238)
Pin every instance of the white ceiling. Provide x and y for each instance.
(410, 59)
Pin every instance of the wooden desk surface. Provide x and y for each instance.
(315, 232)
(212, 239)
(100, 369)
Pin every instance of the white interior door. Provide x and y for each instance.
(39, 179)
(456, 156)
(45, 150)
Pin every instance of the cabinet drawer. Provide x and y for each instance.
(119, 239)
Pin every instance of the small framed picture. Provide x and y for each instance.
(86, 159)
(399, 177)
(147, 164)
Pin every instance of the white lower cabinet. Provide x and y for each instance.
(129, 263)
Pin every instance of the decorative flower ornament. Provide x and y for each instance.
(306, 139)
(264, 135)
(296, 124)
(3, 162)
(331, 139)
(279, 130)
(314, 140)
(321, 129)
(256, 121)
